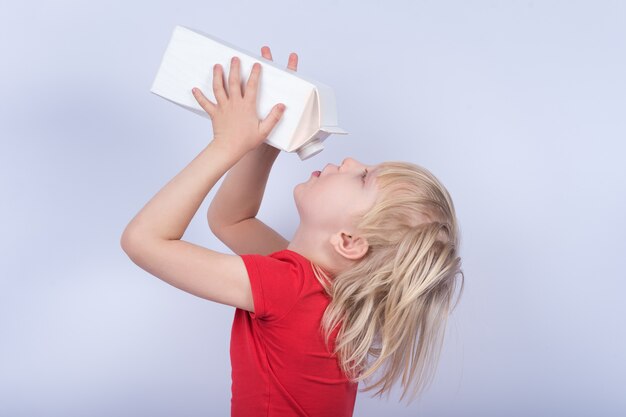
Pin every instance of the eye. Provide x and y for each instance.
(364, 174)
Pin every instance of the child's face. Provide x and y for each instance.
(327, 202)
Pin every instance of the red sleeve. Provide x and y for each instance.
(276, 285)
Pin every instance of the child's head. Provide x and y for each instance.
(327, 205)
(387, 254)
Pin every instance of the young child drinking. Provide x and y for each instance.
(369, 274)
(382, 242)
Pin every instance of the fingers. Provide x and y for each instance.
(204, 102)
(293, 61)
(234, 78)
(266, 126)
(253, 83)
(293, 57)
(218, 84)
(266, 53)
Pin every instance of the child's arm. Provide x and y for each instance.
(232, 212)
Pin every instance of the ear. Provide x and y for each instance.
(349, 246)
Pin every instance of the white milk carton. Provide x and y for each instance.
(311, 113)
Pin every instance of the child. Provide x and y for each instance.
(370, 270)
(375, 254)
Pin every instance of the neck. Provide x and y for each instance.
(315, 245)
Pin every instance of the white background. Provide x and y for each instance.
(517, 107)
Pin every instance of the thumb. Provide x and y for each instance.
(266, 126)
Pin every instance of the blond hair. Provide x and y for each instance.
(394, 303)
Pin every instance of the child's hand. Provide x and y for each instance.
(236, 125)
(293, 58)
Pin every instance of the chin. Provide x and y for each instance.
(295, 197)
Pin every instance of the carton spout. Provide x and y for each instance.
(310, 149)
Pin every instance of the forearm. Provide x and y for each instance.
(241, 192)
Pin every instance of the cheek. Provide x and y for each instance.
(320, 200)
(328, 190)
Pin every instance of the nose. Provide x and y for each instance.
(329, 167)
(348, 161)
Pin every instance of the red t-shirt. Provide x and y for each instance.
(280, 366)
